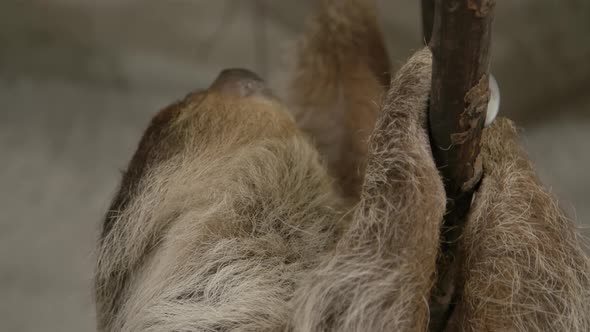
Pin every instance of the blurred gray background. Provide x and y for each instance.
(80, 79)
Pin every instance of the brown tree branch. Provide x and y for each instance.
(460, 44)
(427, 19)
(461, 58)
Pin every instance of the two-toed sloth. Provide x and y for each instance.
(240, 212)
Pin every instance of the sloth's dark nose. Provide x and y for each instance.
(240, 83)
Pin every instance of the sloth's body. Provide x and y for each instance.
(233, 216)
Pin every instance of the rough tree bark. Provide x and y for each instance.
(459, 35)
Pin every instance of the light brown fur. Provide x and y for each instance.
(525, 266)
(342, 71)
(235, 216)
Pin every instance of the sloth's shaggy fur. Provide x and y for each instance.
(526, 268)
(230, 218)
(380, 274)
(341, 73)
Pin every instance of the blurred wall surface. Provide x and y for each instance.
(80, 79)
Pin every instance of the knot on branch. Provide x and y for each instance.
(481, 7)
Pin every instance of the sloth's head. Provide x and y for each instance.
(236, 110)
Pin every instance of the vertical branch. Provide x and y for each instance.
(461, 58)
(427, 19)
(460, 44)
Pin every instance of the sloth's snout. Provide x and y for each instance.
(240, 83)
